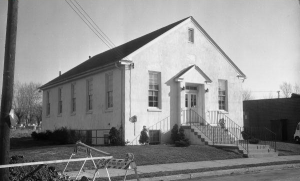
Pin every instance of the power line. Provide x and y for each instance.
(96, 24)
(86, 23)
(104, 36)
(103, 39)
(91, 26)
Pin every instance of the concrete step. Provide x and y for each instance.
(260, 155)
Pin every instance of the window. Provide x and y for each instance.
(154, 81)
(191, 88)
(59, 101)
(109, 90)
(186, 100)
(191, 35)
(73, 98)
(193, 100)
(48, 103)
(89, 85)
(223, 95)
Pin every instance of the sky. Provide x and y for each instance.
(261, 36)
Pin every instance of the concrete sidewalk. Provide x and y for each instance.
(191, 165)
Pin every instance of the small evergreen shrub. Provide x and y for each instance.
(181, 134)
(115, 137)
(178, 137)
(144, 138)
(182, 142)
(174, 133)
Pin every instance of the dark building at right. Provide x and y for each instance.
(281, 116)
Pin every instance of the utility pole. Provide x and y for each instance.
(7, 87)
(278, 94)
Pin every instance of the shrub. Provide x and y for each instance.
(174, 133)
(178, 137)
(245, 135)
(181, 134)
(59, 136)
(42, 136)
(144, 138)
(183, 143)
(253, 141)
(115, 137)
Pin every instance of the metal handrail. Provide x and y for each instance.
(164, 123)
(264, 135)
(226, 131)
(275, 138)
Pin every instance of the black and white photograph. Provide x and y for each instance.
(150, 90)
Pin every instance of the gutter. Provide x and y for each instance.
(84, 74)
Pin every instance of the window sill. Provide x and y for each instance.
(73, 113)
(154, 109)
(59, 115)
(89, 112)
(48, 116)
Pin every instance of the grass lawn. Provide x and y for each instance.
(144, 155)
(22, 144)
(286, 149)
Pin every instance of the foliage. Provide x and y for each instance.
(59, 136)
(253, 141)
(247, 94)
(287, 89)
(182, 142)
(144, 138)
(245, 135)
(181, 134)
(174, 133)
(115, 137)
(27, 102)
(178, 137)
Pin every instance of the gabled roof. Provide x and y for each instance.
(116, 54)
(186, 70)
(113, 55)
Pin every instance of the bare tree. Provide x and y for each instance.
(27, 101)
(247, 94)
(286, 89)
(269, 96)
(296, 88)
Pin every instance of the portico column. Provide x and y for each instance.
(181, 101)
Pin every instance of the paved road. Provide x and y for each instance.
(277, 175)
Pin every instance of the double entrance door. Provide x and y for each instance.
(191, 107)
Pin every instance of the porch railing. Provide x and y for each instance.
(163, 126)
(225, 132)
(264, 135)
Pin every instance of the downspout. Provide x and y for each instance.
(122, 69)
(116, 65)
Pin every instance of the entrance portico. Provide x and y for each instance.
(192, 86)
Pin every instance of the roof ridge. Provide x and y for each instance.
(113, 55)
